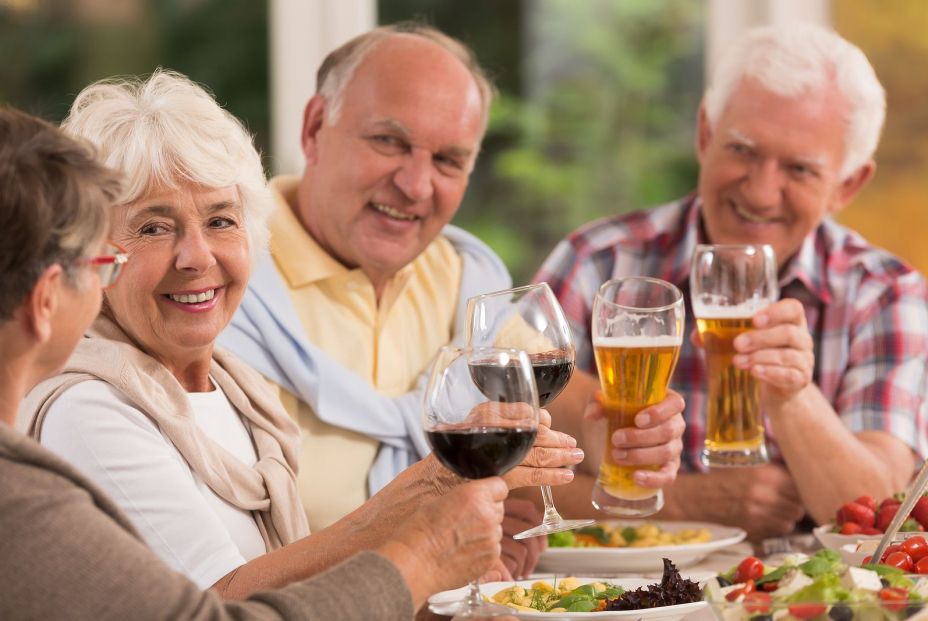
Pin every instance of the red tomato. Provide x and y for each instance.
(901, 560)
(736, 593)
(851, 528)
(858, 514)
(771, 586)
(920, 511)
(921, 567)
(757, 602)
(916, 547)
(806, 611)
(894, 598)
(885, 516)
(893, 547)
(867, 501)
(866, 560)
(750, 568)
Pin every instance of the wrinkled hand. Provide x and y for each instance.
(452, 539)
(778, 351)
(656, 438)
(520, 557)
(762, 500)
(549, 460)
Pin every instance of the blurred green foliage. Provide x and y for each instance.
(53, 48)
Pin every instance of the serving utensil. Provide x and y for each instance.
(915, 491)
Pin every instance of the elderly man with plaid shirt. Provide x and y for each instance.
(786, 135)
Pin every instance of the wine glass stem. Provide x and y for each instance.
(551, 514)
(474, 599)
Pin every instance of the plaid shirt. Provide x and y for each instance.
(866, 311)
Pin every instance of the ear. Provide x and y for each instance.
(703, 133)
(313, 117)
(852, 186)
(42, 303)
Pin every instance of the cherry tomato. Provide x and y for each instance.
(921, 567)
(748, 587)
(893, 547)
(750, 568)
(771, 586)
(901, 560)
(867, 560)
(851, 528)
(916, 547)
(859, 514)
(894, 598)
(867, 501)
(806, 611)
(885, 516)
(757, 602)
(920, 511)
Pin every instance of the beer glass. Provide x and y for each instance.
(728, 285)
(531, 319)
(637, 333)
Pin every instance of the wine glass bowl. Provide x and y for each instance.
(529, 318)
(480, 416)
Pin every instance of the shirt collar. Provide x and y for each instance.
(809, 266)
(299, 257)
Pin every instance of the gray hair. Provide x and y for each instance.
(167, 130)
(337, 69)
(793, 59)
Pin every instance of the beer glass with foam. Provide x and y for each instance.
(637, 333)
(729, 284)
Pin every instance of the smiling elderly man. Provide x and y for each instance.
(786, 136)
(366, 279)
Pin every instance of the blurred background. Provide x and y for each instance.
(597, 102)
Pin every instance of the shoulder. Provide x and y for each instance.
(852, 259)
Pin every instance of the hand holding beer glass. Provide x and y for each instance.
(729, 285)
(637, 333)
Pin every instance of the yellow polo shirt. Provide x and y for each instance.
(389, 345)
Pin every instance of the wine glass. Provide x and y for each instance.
(529, 318)
(480, 417)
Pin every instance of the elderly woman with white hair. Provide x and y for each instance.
(189, 441)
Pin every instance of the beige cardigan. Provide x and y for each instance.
(267, 489)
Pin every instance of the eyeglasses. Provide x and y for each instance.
(108, 265)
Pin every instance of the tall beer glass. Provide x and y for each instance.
(637, 333)
(729, 284)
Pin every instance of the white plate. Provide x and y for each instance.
(665, 613)
(624, 560)
(846, 545)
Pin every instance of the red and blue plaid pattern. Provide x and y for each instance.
(867, 312)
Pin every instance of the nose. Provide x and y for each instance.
(764, 184)
(194, 253)
(414, 176)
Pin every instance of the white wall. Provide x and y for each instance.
(302, 33)
(726, 19)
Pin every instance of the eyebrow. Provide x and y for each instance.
(808, 160)
(166, 210)
(737, 135)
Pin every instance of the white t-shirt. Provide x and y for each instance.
(96, 428)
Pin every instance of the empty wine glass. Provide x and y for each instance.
(529, 318)
(480, 417)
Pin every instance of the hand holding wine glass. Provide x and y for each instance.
(529, 318)
(480, 417)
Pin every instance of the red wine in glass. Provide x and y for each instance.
(478, 452)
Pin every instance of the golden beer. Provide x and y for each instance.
(634, 373)
(734, 424)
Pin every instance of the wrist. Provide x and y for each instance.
(413, 568)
